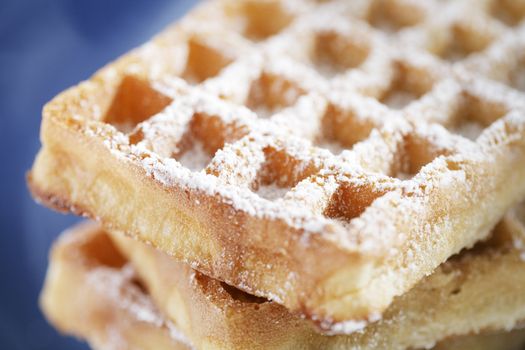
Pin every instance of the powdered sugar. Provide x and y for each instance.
(117, 285)
(119, 288)
(351, 326)
(196, 158)
(272, 191)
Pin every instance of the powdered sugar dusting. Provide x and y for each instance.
(195, 158)
(351, 326)
(232, 159)
(118, 286)
(272, 191)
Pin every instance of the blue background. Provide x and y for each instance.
(45, 47)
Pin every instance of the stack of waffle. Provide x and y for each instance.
(296, 174)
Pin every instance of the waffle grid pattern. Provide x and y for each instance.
(352, 121)
(305, 112)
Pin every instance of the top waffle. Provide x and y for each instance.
(325, 155)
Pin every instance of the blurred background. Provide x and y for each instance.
(45, 47)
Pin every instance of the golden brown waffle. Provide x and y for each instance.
(481, 290)
(92, 294)
(325, 155)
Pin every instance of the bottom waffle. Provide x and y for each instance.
(91, 293)
(482, 289)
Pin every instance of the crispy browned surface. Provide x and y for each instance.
(484, 285)
(352, 231)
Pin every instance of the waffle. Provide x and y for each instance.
(484, 285)
(92, 294)
(324, 155)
